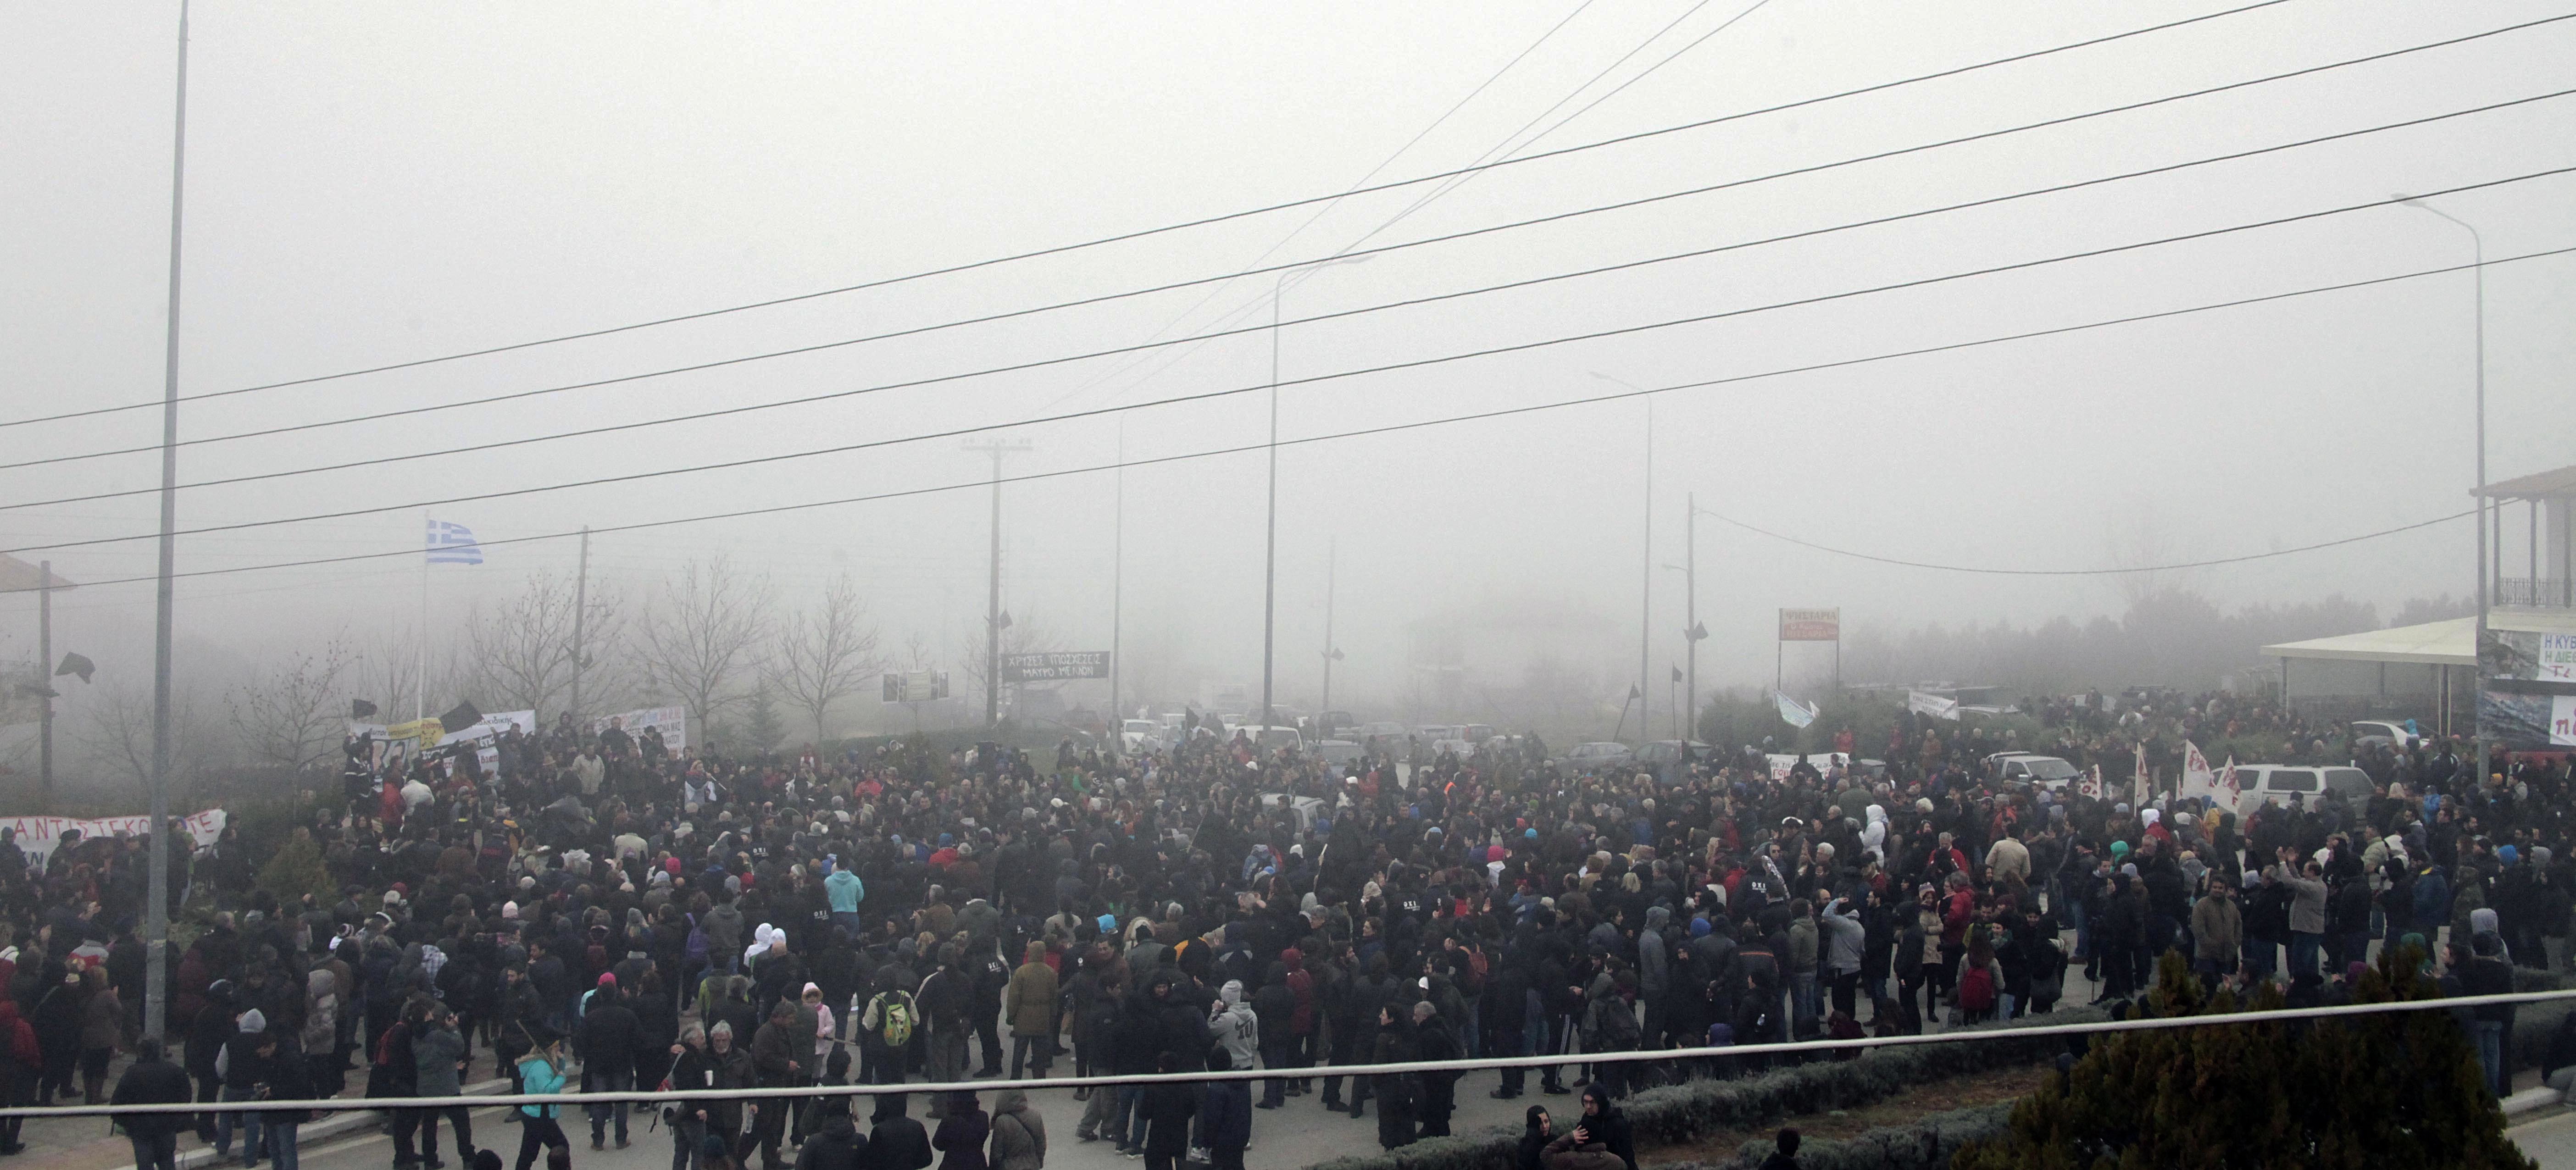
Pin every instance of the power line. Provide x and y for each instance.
(1391, 428)
(1168, 360)
(1141, 233)
(2236, 560)
(1320, 212)
(1210, 395)
(1381, 307)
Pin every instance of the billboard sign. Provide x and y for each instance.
(1811, 625)
(1055, 666)
(916, 686)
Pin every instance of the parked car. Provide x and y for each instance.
(1664, 753)
(1306, 808)
(2384, 731)
(2029, 769)
(1599, 757)
(1453, 747)
(2276, 784)
(1139, 735)
(1267, 738)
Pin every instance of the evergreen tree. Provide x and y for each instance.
(297, 869)
(2397, 1089)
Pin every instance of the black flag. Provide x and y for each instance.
(462, 717)
(76, 664)
(361, 709)
(1677, 674)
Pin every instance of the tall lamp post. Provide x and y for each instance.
(2478, 250)
(1646, 590)
(1270, 527)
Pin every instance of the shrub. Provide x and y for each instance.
(2399, 1089)
(1684, 1112)
(1927, 1143)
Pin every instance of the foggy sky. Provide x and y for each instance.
(379, 182)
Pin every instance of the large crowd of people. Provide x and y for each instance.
(602, 912)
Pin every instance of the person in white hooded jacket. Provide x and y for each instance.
(1234, 1025)
(1873, 836)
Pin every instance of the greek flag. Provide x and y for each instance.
(453, 544)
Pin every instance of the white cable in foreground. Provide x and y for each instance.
(2281, 1015)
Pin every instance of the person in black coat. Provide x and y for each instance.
(1394, 1091)
(1165, 1111)
(838, 1146)
(1537, 1130)
(608, 1042)
(153, 1081)
(895, 1141)
(1603, 1122)
(1432, 1041)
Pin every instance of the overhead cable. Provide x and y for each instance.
(1878, 87)
(1391, 428)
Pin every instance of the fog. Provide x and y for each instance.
(373, 184)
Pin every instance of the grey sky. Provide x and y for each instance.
(377, 182)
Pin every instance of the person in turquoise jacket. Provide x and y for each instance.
(541, 1072)
(845, 891)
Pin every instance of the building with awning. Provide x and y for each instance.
(2434, 663)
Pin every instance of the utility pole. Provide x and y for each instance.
(1118, 589)
(1332, 557)
(45, 662)
(580, 610)
(1694, 634)
(1646, 603)
(156, 912)
(993, 618)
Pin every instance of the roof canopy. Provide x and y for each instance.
(2449, 642)
(2542, 485)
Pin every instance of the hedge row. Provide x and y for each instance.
(2533, 1023)
(1923, 1144)
(1685, 1112)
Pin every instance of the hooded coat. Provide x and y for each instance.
(1019, 1134)
(838, 1146)
(1235, 1025)
(896, 1141)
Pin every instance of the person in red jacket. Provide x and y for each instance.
(20, 1063)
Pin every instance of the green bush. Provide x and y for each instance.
(1926, 1143)
(295, 869)
(2397, 1089)
(1686, 1112)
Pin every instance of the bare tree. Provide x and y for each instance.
(703, 634)
(522, 653)
(116, 732)
(825, 653)
(288, 716)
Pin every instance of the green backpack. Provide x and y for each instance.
(895, 1017)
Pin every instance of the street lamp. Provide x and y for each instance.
(1646, 602)
(2478, 246)
(1270, 535)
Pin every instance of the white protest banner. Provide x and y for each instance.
(2138, 786)
(39, 836)
(1927, 703)
(2198, 778)
(2557, 660)
(673, 722)
(2091, 783)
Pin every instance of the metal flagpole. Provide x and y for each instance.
(1646, 603)
(156, 913)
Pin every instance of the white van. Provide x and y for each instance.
(2275, 784)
